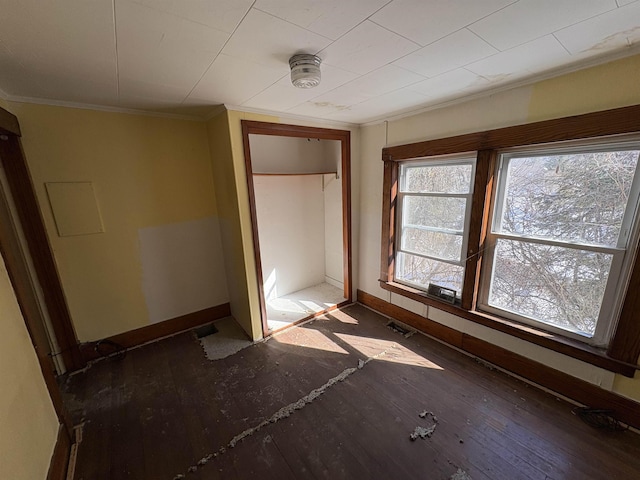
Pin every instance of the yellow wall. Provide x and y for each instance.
(147, 172)
(606, 86)
(28, 422)
(224, 175)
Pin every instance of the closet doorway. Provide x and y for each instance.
(300, 200)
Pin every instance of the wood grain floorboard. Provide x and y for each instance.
(164, 406)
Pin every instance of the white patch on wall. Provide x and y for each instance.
(75, 208)
(182, 268)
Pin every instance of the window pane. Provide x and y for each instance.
(556, 285)
(422, 271)
(438, 179)
(434, 244)
(579, 197)
(437, 212)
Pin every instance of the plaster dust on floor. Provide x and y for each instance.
(285, 411)
(229, 339)
(460, 475)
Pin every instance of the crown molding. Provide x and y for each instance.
(101, 108)
(408, 112)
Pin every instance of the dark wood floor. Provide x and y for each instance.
(163, 407)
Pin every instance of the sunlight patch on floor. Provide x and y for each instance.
(396, 353)
(309, 338)
(287, 309)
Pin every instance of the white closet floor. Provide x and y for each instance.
(285, 310)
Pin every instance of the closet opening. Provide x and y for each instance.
(300, 201)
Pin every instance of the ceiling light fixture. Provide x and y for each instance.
(305, 70)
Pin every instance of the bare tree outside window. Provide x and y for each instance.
(434, 200)
(558, 224)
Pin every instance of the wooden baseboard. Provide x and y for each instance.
(156, 331)
(60, 457)
(586, 393)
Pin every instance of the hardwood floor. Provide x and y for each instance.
(163, 407)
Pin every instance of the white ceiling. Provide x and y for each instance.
(380, 57)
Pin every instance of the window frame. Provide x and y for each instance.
(621, 355)
(622, 253)
(464, 158)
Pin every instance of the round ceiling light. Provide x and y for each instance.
(305, 70)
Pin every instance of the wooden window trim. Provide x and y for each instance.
(624, 348)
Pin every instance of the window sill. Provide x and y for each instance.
(557, 343)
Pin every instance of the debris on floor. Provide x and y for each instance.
(599, 418)
(229, 338)
(421, 432)
(425, 432)
(287, 411)
(460, 475)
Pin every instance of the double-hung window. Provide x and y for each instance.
(558, 251)
(536, 233)
(434, 204)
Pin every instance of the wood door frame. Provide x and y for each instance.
(28, 213)
(298, 131)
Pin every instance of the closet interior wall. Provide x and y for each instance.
(298, 196)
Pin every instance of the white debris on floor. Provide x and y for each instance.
(285, 411)
(422, 432)
(460, 475)
(425, 432)
(229, 339)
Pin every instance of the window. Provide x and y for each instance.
(434, 202)
(537, 232)
(558, 247)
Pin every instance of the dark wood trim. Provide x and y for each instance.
(557, 343)
(246, 130)
(389, 203)
(589, 125)
(25, 199)
(285, 130)
(9, 123)
(441, 332)
(160, 330)
(624, 348)
(583, 392)
(345, 141)
(60, 458)
(21, 281)
(482, 193)
(625, 344)
(292, 174)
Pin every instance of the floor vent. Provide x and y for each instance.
(399, 329)
(206, 330)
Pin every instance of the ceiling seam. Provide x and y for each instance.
(525, 82)
(562, 44)
(218, 54)
(164, 12)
